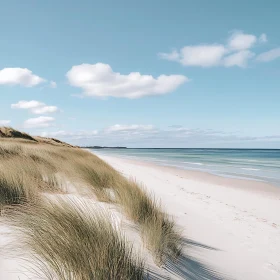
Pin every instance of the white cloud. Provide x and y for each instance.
(238, 59)
(71, 135)
(4, 122)
(173, 56)
(39, 122)
(44, 110)
(202, 55)
(241, 41)
(117, 131)
(235, 53)
(53, 84)
(35, 107)
(129, 128)
(269, 55)
(263, 38)
(99, 80)
(19, 76)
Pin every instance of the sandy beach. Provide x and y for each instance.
(231, 226)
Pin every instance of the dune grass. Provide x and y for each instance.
(158, 230)
(40, 166)
(18, 182)
(23, 176)
(71, 241)
(162, 237)
(16, 189)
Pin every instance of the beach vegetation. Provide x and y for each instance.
(29, 169)
(70, 240)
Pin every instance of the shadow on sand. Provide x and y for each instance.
(187, 267)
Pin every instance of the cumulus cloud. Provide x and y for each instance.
(234, 53)
(238, 59)
(35, 107)
(240, 41)
(4, 122)
(53, 84)
(101, 81)
(19, 76)
(173, 56)
(39, 122)
(269, 55)
(202, 55)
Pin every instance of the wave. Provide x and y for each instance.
(195, 163)
(250, 169)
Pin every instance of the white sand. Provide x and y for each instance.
(232, 226)
(14, 264)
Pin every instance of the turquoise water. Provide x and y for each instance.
(261, 165)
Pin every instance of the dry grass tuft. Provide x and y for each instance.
(158, 230)
(73, 242)
(16, 189)
(7, 151)
(23, 177)
(162, 237)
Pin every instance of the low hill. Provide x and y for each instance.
(9, 132)
(53, 141)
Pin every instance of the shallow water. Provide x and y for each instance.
(261, 165)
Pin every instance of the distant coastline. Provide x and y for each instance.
(180, 148)
(102, 147)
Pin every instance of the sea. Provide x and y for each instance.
(253, 164)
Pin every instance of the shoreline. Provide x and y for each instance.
(203, 176)
(245, 164)
(234, 223)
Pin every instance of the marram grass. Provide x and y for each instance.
(71, 241)
(28, 169)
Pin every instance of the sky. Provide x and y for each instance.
(154, 73)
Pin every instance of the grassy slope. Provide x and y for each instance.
(29, 168)
(10, 133)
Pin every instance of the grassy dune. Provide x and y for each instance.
(29, 169)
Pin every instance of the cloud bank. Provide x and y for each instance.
(147, 135)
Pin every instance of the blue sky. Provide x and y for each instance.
(142, 73)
